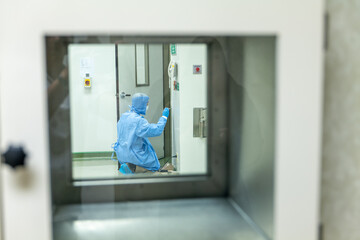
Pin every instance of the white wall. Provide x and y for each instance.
(93, 110)
(192, 94)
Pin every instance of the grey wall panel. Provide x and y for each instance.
(340, 193)
(252, 127)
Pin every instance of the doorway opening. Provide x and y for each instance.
(103, 78)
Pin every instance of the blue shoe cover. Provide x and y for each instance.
(124, 169)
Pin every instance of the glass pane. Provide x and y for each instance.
(141, 59)
(110, 136)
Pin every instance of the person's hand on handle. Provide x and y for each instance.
(166, 112)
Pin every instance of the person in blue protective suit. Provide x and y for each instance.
(133, 147)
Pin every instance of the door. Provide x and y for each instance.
(189, 94)
(140, 70)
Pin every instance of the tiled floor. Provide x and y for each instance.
(97, 168)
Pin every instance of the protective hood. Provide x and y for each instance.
(139, 103)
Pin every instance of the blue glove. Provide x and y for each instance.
(166, 112)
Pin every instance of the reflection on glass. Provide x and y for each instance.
(142, 64)
(133, 109)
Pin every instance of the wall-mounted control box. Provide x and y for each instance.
(197, 69)
(87, 81)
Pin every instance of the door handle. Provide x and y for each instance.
(199, 122)
(123, 95)
(14, 157)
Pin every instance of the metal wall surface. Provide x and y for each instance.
(178, 219)
(252, 128)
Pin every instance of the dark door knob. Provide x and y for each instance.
(123, 95)
(14, 156)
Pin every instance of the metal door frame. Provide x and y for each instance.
(214, 183)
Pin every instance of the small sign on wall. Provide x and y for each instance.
(173, 49)
(197, 69)
(87, 81)
(87, 66)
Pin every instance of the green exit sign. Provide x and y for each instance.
(173, 49)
